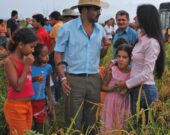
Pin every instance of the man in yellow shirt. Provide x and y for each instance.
(56, 22)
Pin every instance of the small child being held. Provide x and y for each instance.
(41, 72)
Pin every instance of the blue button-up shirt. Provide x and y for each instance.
(129, 34)
(82, 53)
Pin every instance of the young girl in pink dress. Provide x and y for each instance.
(116, 104)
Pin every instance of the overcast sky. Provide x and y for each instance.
(27, 8)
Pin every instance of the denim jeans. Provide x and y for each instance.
(149, 94)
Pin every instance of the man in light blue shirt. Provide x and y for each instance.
(80, 43)
(124, 31)
(81, 52)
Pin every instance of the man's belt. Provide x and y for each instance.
(82, 74)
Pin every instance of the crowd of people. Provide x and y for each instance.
(60, 57)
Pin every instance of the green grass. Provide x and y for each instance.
(3, 93)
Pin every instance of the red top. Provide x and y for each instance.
(27, 89)
(43, 36)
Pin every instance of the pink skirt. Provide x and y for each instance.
(116, 110)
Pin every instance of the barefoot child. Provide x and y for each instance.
(41, 72)
(117, 101)
(17, 107)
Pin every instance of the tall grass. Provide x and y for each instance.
(159, 111)
(3, 93)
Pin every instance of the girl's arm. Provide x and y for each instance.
(48, 91)
(106, 81)
(16, 81)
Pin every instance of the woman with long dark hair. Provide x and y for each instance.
(147, 58)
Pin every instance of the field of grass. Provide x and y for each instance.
(159, 112)
(3, 92)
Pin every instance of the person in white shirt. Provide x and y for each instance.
(109, 29)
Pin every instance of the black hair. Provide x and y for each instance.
(56, 15)
(37, 49)
(80, 8)
(24, 35)
(14, 13)
(124, 47)
(39, 18)
(149, 21)
(1, 21)
(123, 12)
(120, 41)
(45, 19)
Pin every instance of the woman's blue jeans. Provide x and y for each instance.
(148, 95)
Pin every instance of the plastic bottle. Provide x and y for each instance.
(40, 83)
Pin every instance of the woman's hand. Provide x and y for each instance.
(121, 84)
(123, 91)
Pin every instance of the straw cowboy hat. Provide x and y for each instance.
(97, 3)
(69, 12)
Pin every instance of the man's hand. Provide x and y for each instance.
(66, 87)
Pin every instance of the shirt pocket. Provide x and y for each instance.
(77, 49)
